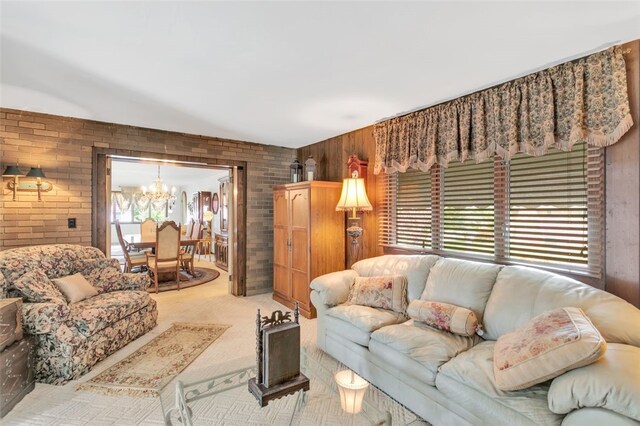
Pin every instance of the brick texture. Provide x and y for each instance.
(63, 147)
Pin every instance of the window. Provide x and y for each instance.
(546, 211)
(134, 214)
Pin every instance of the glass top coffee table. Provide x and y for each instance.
(219, 395)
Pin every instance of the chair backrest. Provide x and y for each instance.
(195, 231)
(123, 244)
(187, 234)
(168, 241)
(148, 230)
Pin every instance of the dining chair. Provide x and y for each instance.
(167, 256)
(189, 251)
(148, 230)
(187, 233)
(130, 260)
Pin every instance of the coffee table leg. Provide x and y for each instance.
(301, 400)
(181, 408)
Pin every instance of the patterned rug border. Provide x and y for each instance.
(208, 275)
(111, 389)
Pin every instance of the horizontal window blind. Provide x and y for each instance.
(545, 211)
(413, 209)
(548, 215)
(468, 208)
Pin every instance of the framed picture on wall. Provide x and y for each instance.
(215, 203)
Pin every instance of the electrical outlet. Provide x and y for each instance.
(71, 223)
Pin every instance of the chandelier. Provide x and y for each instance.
(158, 193)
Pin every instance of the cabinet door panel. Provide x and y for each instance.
(299, 250)
(280, 248)
(281, 212)
(281, 280)
(300, 287)
(299, 203)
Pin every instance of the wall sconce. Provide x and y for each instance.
(16, 184)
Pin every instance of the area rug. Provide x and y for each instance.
(146, 371)
(201, 276)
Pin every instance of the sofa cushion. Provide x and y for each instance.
(356, 322)
(521, 293)
(468, 379)
(612, 383)
(419, 349)
(75, 287)
(415, 267)
(444, 316)
(386, 292)
(92, 315)
(34, 286)
(461, 283)
(545, 347)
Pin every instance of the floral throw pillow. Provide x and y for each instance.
(388, 292)
(445, 317)
(35, 287)
(545, 347)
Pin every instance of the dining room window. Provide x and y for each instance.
(130, 212)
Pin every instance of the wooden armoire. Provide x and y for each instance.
(308, 239)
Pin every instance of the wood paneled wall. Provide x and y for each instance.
(623, 196)
(331, 156)
(622, 189)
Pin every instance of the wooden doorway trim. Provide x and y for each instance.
(99, 211)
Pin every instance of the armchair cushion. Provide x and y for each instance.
(34, 286)
(92, 315)
(334, 288)
(75, 287)
(613, 383)
(42, 318)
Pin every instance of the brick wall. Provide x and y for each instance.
(63, 147)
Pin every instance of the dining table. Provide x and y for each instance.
(166, 276)
(141, 245)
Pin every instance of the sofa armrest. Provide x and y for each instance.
(43, 318)
(612, 382)
(333, 288)
(135, 281)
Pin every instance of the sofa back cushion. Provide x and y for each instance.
(415, 267)
(56, 260)
(462, 283)
(521, 293)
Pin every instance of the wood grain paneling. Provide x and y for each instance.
(331, 156)
(623, 196)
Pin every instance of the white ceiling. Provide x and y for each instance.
(282, 73)
(126, 173)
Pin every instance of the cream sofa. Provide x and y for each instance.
(448, 379)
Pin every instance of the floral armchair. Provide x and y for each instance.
(71, 338)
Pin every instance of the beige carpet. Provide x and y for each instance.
(146, 371)
(62, 405)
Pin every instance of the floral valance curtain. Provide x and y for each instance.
(583, 100)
